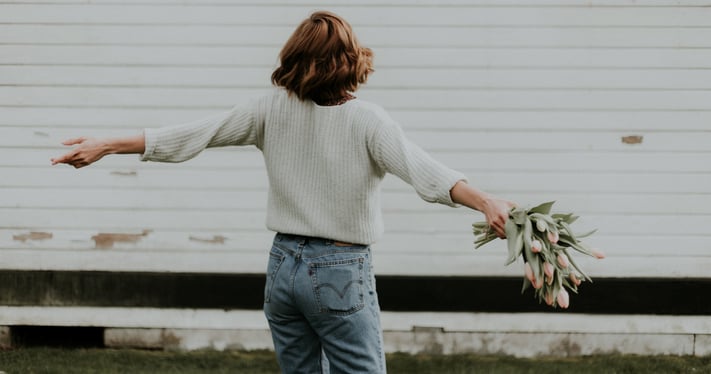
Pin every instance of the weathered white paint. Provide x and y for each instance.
(531, 99)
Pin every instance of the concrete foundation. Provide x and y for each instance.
(417, 341)
(513, 334)
(188, 339)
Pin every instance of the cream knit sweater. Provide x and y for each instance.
(325, 164)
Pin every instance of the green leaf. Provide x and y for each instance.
(585, 234)
(567, 218)
(575, 265)
(544, 208)
(526, 285)
(578, 246)
(518, 216)
(569, 231)
(527, 235)
(543, 217)
(564, 241)
(514, 239)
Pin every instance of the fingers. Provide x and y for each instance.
(75, 163)
(500, 232)
(71, 158)
(498, 223)
(68, 158)
(74, 141)
(64, 159)
(60, 160)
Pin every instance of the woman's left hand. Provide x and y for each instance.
(496, 212)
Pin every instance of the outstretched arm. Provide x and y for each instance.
(89, 150)
(496, 210)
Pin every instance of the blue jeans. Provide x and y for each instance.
(322, 307)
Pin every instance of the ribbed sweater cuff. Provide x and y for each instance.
(151, 141)
(452, 180)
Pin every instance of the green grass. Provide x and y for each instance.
(55, 360)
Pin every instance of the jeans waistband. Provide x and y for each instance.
(314, 246)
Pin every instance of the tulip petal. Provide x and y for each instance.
(563, 299)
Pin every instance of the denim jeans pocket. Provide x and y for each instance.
(276, 258)
(338, 285)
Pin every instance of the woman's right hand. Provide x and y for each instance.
(86, 152)
(90, 150)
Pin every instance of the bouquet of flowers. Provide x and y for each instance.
(544, 240)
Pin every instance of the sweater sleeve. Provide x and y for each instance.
(395, 154)
(182, 142)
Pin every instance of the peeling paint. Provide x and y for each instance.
(217, 239)
(32, 235)
(107, 240)
(130, 173)
(632, 139)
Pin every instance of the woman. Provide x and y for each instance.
(326, 153)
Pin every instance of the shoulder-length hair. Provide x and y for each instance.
(322, 60)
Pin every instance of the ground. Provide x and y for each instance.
(57, 360)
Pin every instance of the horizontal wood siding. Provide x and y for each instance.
(604, 106)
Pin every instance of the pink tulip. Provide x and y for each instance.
(548, 269)
(563, 260)
(553, 237)
(538, 283)
(573, 278)
(529, 273)
(598, 254)
(541, 226)
(549, 298)
(536, 246)
(563, 299)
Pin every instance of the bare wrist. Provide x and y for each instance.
(108, 147)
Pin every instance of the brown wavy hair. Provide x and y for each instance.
(322, 60)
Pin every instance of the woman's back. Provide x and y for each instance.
(323, 179)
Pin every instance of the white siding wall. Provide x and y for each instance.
(531, 99)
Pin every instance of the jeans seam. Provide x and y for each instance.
(272, 274)
(287, 250)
